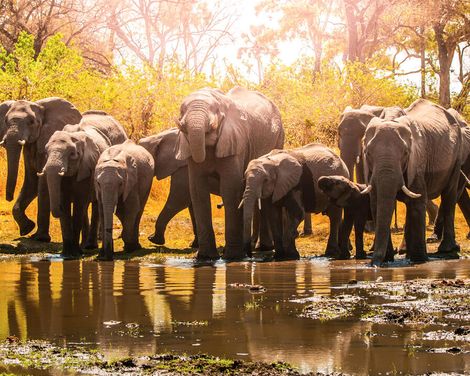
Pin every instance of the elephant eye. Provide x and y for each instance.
(74, 155)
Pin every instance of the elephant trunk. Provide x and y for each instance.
(386, 191)
(109, 202)
(196, 136)
(13, 156)
(55, 169)
(350, 153)
(250, 197)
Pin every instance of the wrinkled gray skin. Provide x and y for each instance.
(219, 134)
(123, 178)
(464, 198)
(401, 157)
(27, 126)
(276, 178)
(346, 194)
(71, 159)
(162, 147)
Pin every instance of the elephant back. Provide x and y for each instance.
(106, 124)
(318, 160)
(263, 120)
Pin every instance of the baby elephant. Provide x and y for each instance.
(346, 194)
(123, 178)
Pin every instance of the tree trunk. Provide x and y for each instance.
(446, 50)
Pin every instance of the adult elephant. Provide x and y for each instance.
(27, 126)
(72, 155)
(278, 179)
(400, 162)
(220, 133)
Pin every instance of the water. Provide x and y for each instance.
(131, 308)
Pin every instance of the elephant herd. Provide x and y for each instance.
(231, 144)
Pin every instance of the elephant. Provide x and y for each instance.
(161, 146)
(123, 179)
(400, 163)
(346, 194)
(276, 178)
(27, 126)
(72, 154)
(464, 198)
(219, 134)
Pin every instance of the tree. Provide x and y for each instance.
(77, 20)
(155, 31)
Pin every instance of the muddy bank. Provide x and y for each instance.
(38, 357)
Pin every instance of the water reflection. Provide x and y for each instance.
(131, 308)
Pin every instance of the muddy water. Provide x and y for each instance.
(132, 308)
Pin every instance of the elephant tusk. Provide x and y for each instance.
(241, 203)
(21, 142)
(358, 159)
(466, 178)
(61, 172)
(366, 190)
(40, 173)
(2, 142)
(407, 192)
(259, 204)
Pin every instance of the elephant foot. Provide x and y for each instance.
(433, 238)
(72, 253)
(332, 252)
(40, 237)
(158, 240)
(306, 233)
(418, 257)
(131, 247)
(286, 256)
(26, 227)
(194, 244)
(448, 248)
(247, 250)
(206, 256)
(105, 256)
(233, 254)
(91, 245)
(377, 263)
(263, 248)
(361, 255)
(445, 255)
(344, 256)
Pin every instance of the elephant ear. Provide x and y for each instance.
(56, 113)
(343, 199)
(289, 172)
(4, 107)
(415, 165)
(131, 178)
(91, 153)
(231, 138)
(182, 150)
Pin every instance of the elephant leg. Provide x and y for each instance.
(176, 201)
(448, 247)
(85, 228)
(415, 230)
(274, 213)
(92, 239)
(130, 219)
(43, 217)
(78, 218)
(332, 247)
(431, 209)
(195, 242)
(200, 198)
(293, 215)
(464, 205)
(308, 224)
(345, 232)
(28, 192)
(66, 225)
(265, 238)
(101, 254)
(231, 192)
(359, 226)
(438, 227)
